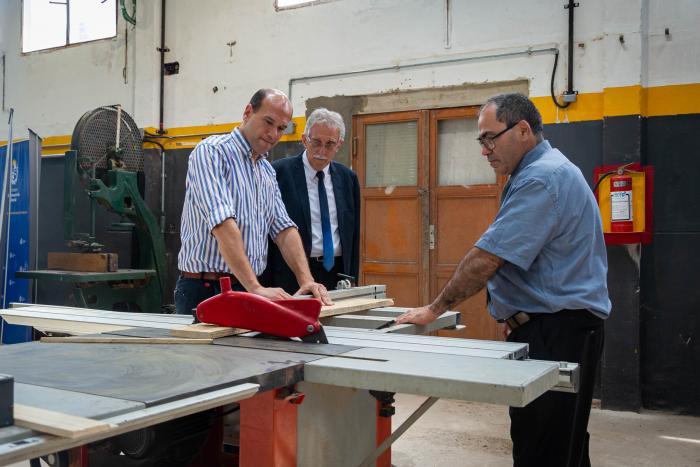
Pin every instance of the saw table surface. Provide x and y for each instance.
(77, 276)
(153, 374)
(497, 381)
(131, 386)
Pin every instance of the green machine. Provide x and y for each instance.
(106, 155)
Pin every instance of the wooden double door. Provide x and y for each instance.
(427, 196)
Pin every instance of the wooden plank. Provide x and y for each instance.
(31, 312)
(66, 326)
(202, 330)
(124, 340)
(81, 321)
(57, 423)
(340, 307)
(87, 313)
(352, 305)
(83, 262)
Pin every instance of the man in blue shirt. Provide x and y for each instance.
(545, 264)
(232, 205)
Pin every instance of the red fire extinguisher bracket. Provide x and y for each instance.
(624, 194)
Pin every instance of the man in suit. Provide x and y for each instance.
(323, 198)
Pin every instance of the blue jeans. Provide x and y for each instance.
(191, 292)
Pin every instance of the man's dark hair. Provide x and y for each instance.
(513, 107)
(258, 98)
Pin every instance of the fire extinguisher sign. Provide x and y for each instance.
(621, 203)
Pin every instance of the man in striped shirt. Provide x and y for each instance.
(232, 204)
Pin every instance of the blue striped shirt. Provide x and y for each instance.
(223, 182)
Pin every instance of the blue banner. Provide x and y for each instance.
(15, 254)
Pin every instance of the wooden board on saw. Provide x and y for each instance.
(352, 305)
(125, 340)
(83, 262)
(71, 322)
(56, 423)
(206, 331)
(349, 305)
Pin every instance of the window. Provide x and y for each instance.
(286, 4)
(56, 23)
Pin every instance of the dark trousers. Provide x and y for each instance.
(552, 430)
(191, 292)
(328, 278)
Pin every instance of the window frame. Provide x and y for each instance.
(307, 3)
(67, 45)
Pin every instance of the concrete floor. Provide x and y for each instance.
(463, 434)
(454, 433)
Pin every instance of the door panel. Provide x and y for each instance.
(459, 223)
(464, 194)
(391, 151)
(390, 168)
(423, 172)
(394, 227)
(402, 287)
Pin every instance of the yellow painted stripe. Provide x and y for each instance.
(587, 107)
(625, 100)
(611, 102)
(188, 137)
(175, 138)
(55, 145)
(673, 100)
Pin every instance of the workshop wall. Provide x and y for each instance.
(51, 89)
(636, 69)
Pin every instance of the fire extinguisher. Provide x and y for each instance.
(621, 203)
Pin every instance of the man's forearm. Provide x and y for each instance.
(471, 275)
(230, 241)
(289, 243)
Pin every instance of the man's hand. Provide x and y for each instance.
(422, 315)
(505, 330)
(317, 290)
(271, 293)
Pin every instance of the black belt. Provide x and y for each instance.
(319, 259)
(518, 319)
(209, 276)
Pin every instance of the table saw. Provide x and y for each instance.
(300, 403)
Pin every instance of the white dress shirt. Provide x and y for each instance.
(315, 209)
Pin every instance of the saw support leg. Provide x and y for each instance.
(269, 430)
(337, 425)
(385, 410)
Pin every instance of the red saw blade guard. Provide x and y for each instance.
(287, 318)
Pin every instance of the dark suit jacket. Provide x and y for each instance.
(346, 189)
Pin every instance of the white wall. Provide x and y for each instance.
(50, 90)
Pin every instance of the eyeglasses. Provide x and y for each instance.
(316, 144)
(489, 142)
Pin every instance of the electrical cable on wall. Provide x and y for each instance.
(129, 18)
(551, 86)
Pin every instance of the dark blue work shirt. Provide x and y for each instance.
(549, 232)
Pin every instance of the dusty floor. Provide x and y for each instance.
(454, 433)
